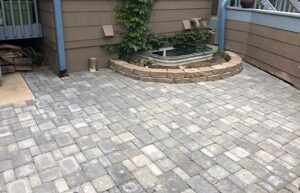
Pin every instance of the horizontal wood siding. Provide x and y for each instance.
(83, 21)
(276, 51)
(48, 46)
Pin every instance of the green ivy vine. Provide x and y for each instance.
(134, 15)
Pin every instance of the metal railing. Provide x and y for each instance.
(288, 6)
(279, 5)
(19, 20)
(257, 4)
(264, 4)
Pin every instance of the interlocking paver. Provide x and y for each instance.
(227, 186)
(218, 172)
(153, 152)
(254, 188)
(119, 174)
(88, 187)
(173, 182)
(25, 170)
(9, 175)
(63, 139)
(254, 167)
(107, 146)
(61, 185)
(145, 177)
(140, 160)
(23, 134)
(19, 186)
(103, 132)
(76, 179)
(201, 185)
(246, 176)
(50, 174)
(20, 158)
(103, 183)
(275, 181)
(44, 161)
(130, 187)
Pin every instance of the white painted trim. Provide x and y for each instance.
(279, 20)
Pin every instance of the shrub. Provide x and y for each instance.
(191, 41)
(134, 15)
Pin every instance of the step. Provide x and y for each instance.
(23, 68)
(7, 69)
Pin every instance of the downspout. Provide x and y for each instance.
(222, 17)
(60, 43)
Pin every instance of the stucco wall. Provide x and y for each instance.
(273, 50)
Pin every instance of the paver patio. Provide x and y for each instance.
(106, 132)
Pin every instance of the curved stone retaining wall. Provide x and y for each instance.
(177, 76)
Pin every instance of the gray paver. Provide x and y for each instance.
(50, 174)
(19, 186)
(45, 188)
(21, 158)
(130, 187)
(227, 186)
(201, 185)
(93, 169)
(85, 142)
(3, 153)
(275, 181)
(103, 132)
(107, 146)
(63, 139)
(246, 176)
(9, 175)
(69, 165)
(153, 152)
(42, 137)
(103, 183)
(5, 165)
(25, 170)
(119, 174)
(144, 177)
(173, 182)
(218, 172)
(76, 179)
(44, 161)
(227, 163)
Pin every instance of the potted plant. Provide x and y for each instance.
(247, 3)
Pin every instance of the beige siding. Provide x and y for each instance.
(83, 21)
(276, 51)
(48, 45)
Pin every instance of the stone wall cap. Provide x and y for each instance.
(188, 75)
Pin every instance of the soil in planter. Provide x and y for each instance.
(218, 58)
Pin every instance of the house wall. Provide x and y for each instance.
(271, 49)
(215, 5)
(83, 20)
(48, 45)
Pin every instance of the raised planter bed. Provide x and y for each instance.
(169, 58)
(177, 76)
